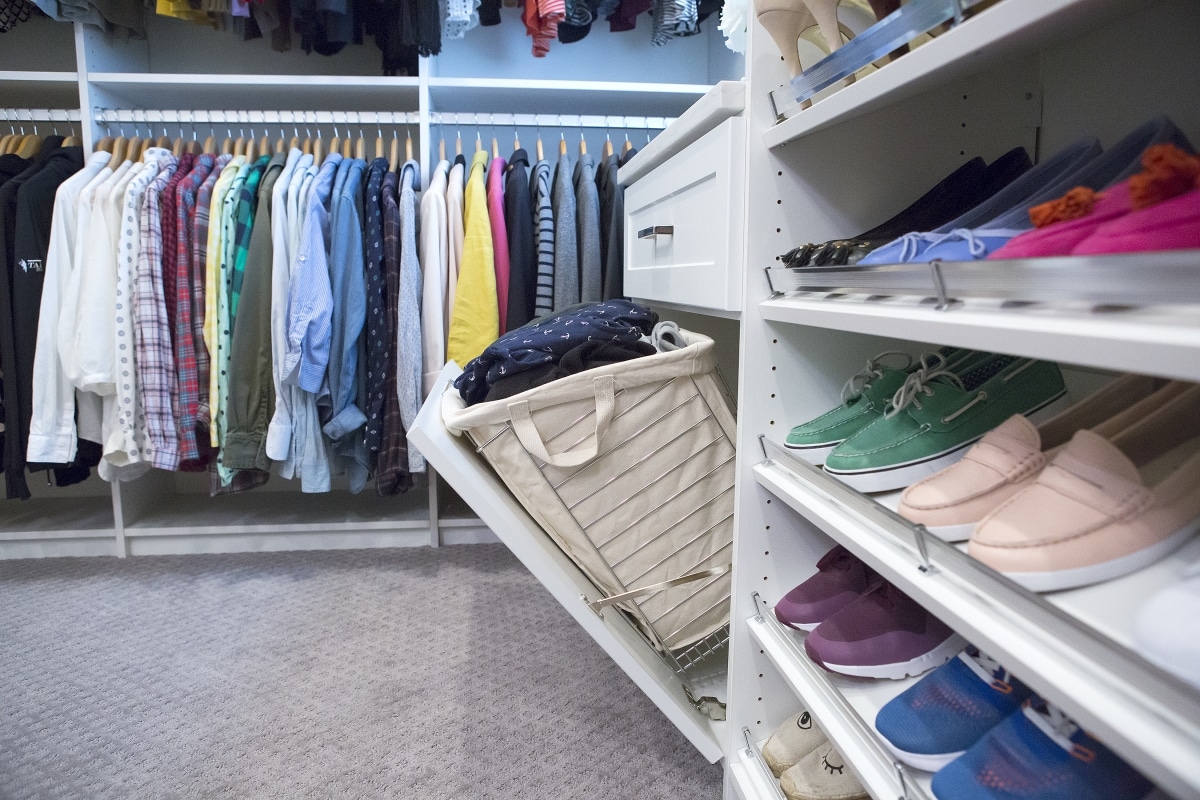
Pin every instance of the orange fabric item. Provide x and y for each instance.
(1074, 204)
(1167, 172)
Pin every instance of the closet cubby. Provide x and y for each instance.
(1034, 74)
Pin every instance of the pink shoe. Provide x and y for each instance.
(1170, 225)
(1102, 509)
(1061, 238)
(1007, 459)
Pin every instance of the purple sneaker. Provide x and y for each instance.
(883, 634)
(840, 580)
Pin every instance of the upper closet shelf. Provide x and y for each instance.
(38, 77)
(1148, 717)
(1156, 341)
(1005, 31)
(195, 91)
(522, 96)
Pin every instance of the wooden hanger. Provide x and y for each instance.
(495, 148)
(164, 142)
(608, 148)
(441, 149)
(4, 142)
(347, 147)
(516, 142)
(30, 146)
(249, 152)
(379, 146)
(562, 145)
(582, 145)
(147, 143)
(317, 150)
(394, 154)
(335, 144)
(177, 147)
(627, 146)
(72, 141)
(105, 144)
(119, 152)
(360, 149)
(541, 156)
(264, 145)
(294, 143)
(458, 144)
(478, 142)
(408, 147)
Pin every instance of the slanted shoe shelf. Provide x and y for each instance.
(750, 774)
(1040, 638)
(845, 708)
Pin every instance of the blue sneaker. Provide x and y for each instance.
(1038, 753)
(937, 719)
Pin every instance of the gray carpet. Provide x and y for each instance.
(407, 673)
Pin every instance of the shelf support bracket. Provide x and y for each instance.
(939, 286)
(762, 442)
(923, 549)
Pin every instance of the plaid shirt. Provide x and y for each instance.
(244, 224)
(200, 218)
(392, 475)
(170, 226)
(185, 342)
(157, 381)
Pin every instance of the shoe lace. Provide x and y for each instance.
(976, 248)
(916, 385)
(861, 381)
(910, 244)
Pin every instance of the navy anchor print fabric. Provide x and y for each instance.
(545, 340)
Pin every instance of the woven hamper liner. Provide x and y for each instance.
(629, 468)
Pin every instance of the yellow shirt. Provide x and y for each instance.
(213, 286)
(475, 323)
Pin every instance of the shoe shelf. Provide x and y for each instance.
(456, 461)
(1005, 31)
(1147, 716)
(845, 708)
(1158, 340)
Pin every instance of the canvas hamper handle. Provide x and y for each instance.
(522, 423)
(712, 572)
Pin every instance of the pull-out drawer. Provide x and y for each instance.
(684, 224)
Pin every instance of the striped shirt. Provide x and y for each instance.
(185, 343)
(200, 219)
(539, 186)
(391, 475)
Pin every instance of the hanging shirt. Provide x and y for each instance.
(434, 265)
(459, 17)
(566, 256)
(251, 392)
(392, 475)
(455, 235)
(127, 449)
(170, 223)
(52, 432)
(200, 237)
(378, 345)
(475, 322)
(247, 207)
(214, 288)
(285, 236)
(612, 228)
(184, 328)
(408, 337)
(522, 249)
(157, 380)
(495, 203)
(310, 309)
(540, 184)
(587, 230)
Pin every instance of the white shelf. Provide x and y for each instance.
(529, 96)
(57, 517)
(1005, 31)
(455, 460)
(844, 707)
(1147, 717)
(38, 77)
(250, 91)
(1156, 341)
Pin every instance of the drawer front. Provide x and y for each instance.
(684, 221)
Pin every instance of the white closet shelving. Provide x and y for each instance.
(183, 71)
(1036, 74)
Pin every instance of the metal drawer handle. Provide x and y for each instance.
(657, 230)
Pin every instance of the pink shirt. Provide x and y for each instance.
(495, 202)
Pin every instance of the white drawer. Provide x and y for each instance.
(684, 222)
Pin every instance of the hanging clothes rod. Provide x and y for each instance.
(152, 116)
(11, 115)
(467, 120)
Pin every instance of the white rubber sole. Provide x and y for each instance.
(1057, 580)
(952, 533)
(892, 478)
(814, 454)
(904, 669)
(930, 762)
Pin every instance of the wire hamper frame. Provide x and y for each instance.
(650, 512)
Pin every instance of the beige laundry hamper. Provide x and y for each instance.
(629, 468)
